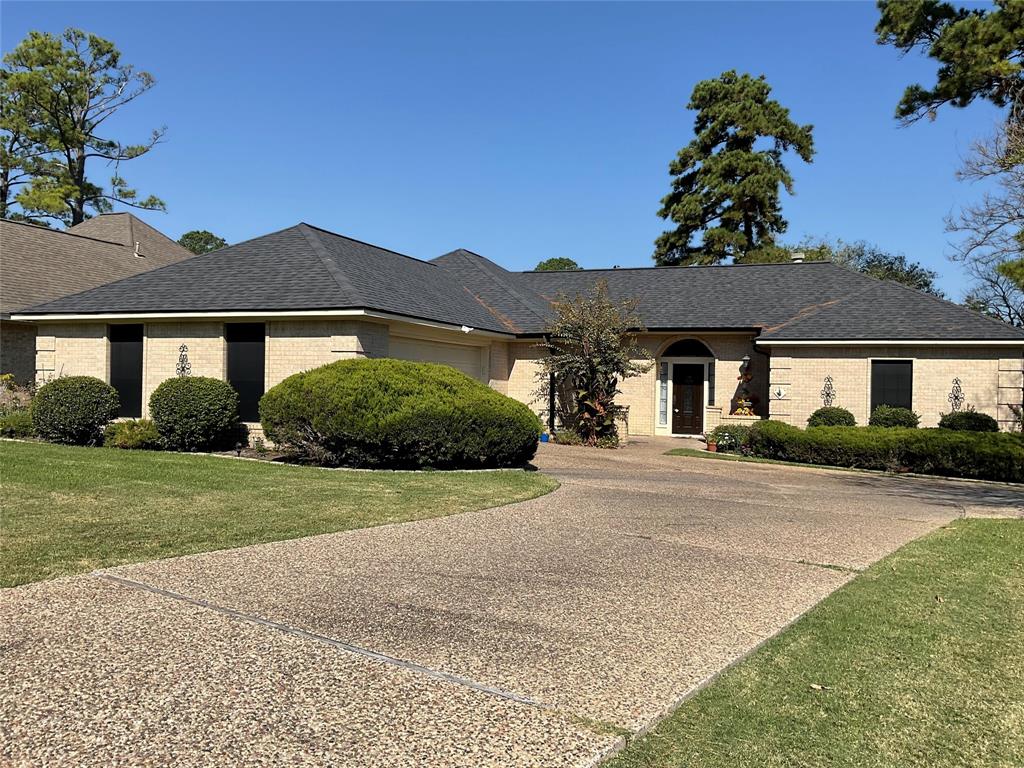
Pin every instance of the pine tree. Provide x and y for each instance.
(726, 181)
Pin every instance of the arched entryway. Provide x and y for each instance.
(686, 386)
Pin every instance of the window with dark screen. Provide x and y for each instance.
(126, 367)
(892, 383)
(246, 357)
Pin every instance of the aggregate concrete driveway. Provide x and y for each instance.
(518, 636)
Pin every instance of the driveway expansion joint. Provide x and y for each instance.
(330, 641)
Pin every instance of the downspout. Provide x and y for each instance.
(551, 394)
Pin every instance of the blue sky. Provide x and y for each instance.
(520, 131)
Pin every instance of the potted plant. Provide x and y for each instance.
(712, 442)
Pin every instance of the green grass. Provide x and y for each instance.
(920, 662)
(67, 510)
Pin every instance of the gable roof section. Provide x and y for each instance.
(298, 268)
(815, 300)
(519, 308)
(128, 229)
(39, 264)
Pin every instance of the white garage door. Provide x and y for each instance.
(469, 360)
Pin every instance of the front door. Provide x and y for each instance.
(687, 398)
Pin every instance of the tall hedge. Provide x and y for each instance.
(196, 413)
(74, 409)
(397, 414)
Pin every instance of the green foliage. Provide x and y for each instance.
(730, 438)
(1013, 270)
(557, 264)
(396, 414)
(725, 183)
(196, 413)
(870, 260)
(58, 91)
(888, 416)
(74, 409)
(983, 456)
(968, 421)
(831, 416)
(201, 241)
(17, 423)
(592, 346)
(978, 51)
(133, 434)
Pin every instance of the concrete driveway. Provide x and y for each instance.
(529, 635)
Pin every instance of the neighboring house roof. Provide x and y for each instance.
(39, 264)
(298, 268)
(304, 268)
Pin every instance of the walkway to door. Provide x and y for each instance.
(517, 636)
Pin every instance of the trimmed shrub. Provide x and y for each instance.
(397, 414)
(133, 434)
(968, 421)
(73, 409)
(196, 413)
(984, 456)
(888, 416)
(16, 423)
(731, 438)
(831, 416)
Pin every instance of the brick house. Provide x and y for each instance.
(39, 264)
(782, 338)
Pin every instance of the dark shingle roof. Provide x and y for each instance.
(519, 308)
(39, 264)
(305, 268)
(815, 300)
(299, 268)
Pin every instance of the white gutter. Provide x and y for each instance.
(251, 315)
(891, 343)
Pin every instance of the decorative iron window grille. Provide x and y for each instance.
(184, 367)
(828, 393)
(956, 396)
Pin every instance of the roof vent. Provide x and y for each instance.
(797, 257)
(137, 254)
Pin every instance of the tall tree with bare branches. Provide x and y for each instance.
(980, 52)
(63, 89)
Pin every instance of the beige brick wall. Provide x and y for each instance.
(298, 345)
(990, 378)
(71, 349)
(18, 351)
(500, 364)
(161, 350)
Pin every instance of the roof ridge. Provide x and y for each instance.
(674, 266)
(511, 288)
(312, 236)
(364, 242)
(63, 232)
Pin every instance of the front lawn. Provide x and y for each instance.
(917, 662)
(67, 510)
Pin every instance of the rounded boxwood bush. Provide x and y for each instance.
(397, 414)
(888, 416)
(195, 413)
(831, 416)
(968, 421)
(133, 434)
(74, 409)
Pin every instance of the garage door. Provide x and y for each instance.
(469, 360)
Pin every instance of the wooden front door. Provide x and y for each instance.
(687, 398)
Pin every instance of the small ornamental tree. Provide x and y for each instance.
(592, 346)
